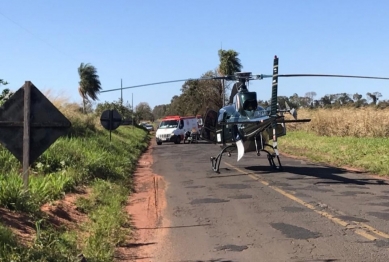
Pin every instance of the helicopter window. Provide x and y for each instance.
(168, 124)
(250, 105)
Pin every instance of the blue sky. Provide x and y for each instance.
(142, 42)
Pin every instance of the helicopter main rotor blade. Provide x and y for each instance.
(325, 75)
(157, 83)
(254, 77)
(167, 82)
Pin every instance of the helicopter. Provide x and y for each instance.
(242, 125)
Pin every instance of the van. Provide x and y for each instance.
(173, 128)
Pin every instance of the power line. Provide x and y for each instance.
(37, 37)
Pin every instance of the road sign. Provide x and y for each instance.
(44, 125)
(110, 119)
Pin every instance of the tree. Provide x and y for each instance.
(143, 111)
(197, 96)
(229, 64)
(89, 85)
(294, 101)
(124, 110)
(326, 100)
(159, 111)
(281, 101)
(343, 99)
(311, 95)
(357, 97)
(358, 100)
(2, 82)
(5, 95)
(374, 97)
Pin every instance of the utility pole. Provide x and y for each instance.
(121, 91)
(133, 109)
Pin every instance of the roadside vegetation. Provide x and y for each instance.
(343, 136)
(84, 164)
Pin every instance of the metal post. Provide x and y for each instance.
(110, 124)
(26, 133)
(121, 91)
(224, 95)
(223, 83)
(133, 110)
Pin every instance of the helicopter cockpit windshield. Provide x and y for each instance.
(168, 124)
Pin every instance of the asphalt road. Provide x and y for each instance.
(248, 212)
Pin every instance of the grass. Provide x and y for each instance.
(49, 245)
(84, 157)
(107, 220)
(342, 137)
(370, 154)
(345, 121)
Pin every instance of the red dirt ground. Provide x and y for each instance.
(145, 206)
(60, 213)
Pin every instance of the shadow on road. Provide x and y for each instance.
(320, 260)
(326, 173)
(137, 244)
(173, 227)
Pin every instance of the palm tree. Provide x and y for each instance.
(229, 64)
(2, 82)
(90, 84)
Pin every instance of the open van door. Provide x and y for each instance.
(208, 132)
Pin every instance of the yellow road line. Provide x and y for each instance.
(373, 230)
(327, 215)
(364, 234)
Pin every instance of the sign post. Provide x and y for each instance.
(26, 133)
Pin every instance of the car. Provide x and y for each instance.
(149, 127)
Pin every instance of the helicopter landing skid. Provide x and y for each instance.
(270, 157)
(216, 160)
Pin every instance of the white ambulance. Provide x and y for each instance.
(173, 128)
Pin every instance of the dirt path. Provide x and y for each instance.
(145, 206)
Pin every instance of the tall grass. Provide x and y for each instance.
(353, 137)
(356, 122)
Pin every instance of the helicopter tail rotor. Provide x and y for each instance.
(292, 111)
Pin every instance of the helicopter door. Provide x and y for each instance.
(208, 132)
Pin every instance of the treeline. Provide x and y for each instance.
(197, 97)
(142, 110)
(331, 100)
